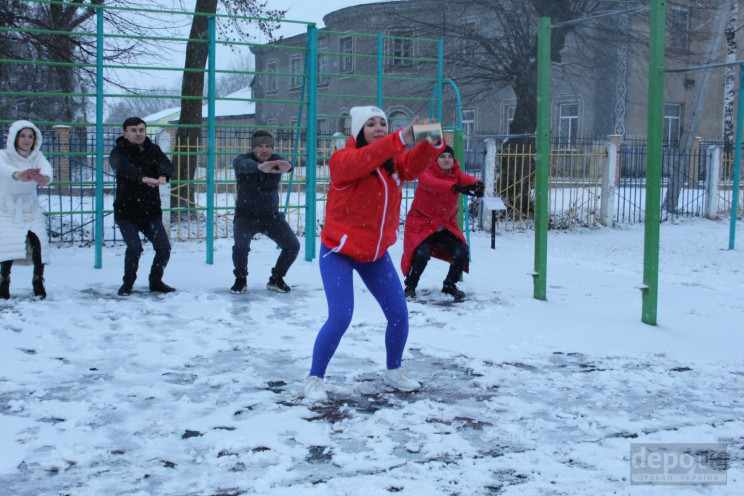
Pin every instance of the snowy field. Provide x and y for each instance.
(197, 392)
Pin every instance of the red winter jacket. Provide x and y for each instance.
(363, 207)
(434, 206)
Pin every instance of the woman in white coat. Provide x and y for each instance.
(23, 236)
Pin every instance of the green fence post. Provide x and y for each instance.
(458, 146)
(440, 78)
(380, 67)
(210, 139)
(99, 137)
(311, 163)
(542, 160)
(650, 287)
(737, 161)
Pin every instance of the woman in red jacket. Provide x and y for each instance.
(361, 223)
(431, 224)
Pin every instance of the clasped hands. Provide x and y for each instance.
(274, 166)
(151, 181)
(31, 175)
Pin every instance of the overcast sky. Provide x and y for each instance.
(313, 11)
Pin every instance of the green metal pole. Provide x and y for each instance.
(380, 67)
(99, 137)
(440, 78)
(542, 160)
(311, 147)
(737, 161)
(210, 140)
(650, 288)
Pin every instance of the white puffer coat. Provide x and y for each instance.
(19, 200)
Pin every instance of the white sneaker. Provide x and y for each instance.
(315, 389)
(401, 380)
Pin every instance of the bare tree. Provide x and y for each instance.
(48, 33)
(192, 87)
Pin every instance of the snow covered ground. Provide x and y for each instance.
(197, 392)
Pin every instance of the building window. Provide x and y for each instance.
(679, 28)
(398, 120)
(272, 67)
(297, 75)
(400, 49)
(344, 124)
(468, 122)
(323, 70)
(467, 43)
(346, 61)
(568, 124)
(672, 123)
(321, 127)
(510, 112)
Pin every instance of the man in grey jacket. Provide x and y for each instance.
(257, 211)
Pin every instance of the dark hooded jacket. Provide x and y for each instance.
(134, 199)
(258, 192)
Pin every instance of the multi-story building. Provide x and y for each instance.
(599, 87)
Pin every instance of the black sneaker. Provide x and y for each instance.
(410, 292)
(125, 289)
(5, 287)
(239, 286)
(277, 284)
(161, 287)
(452, 289)
(38, 284)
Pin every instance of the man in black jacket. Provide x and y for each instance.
(140, 167)
(257, 211)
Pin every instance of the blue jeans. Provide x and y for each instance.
(383, 282)
(154, 231)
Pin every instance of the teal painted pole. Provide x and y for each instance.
(311, 163)
(542, 160)
(210, 139)
(99, 137)
(737, 161)
(458, 100)
(380, 67)
(440, 78)
(650, 287)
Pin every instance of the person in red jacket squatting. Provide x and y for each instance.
(431, 225)
(361, 223)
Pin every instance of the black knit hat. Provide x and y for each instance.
(262, 137)
(448, 149)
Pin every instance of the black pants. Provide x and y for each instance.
(277, 229)
(154, 231)
(33, 240)
(445, 241)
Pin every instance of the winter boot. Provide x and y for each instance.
(5, 287)
(125, 289)
(239, 286)
(160, 287)
(276, 283)
(38, 284)
(410, 291)
(451, 288)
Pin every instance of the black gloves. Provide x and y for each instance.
(476, 189)
(479, 189)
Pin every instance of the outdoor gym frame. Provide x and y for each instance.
(657, 33)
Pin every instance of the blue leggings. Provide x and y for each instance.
(383, 282)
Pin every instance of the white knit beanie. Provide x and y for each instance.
(360, 115)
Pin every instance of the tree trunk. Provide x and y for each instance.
(517, 165)
(188, 139)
